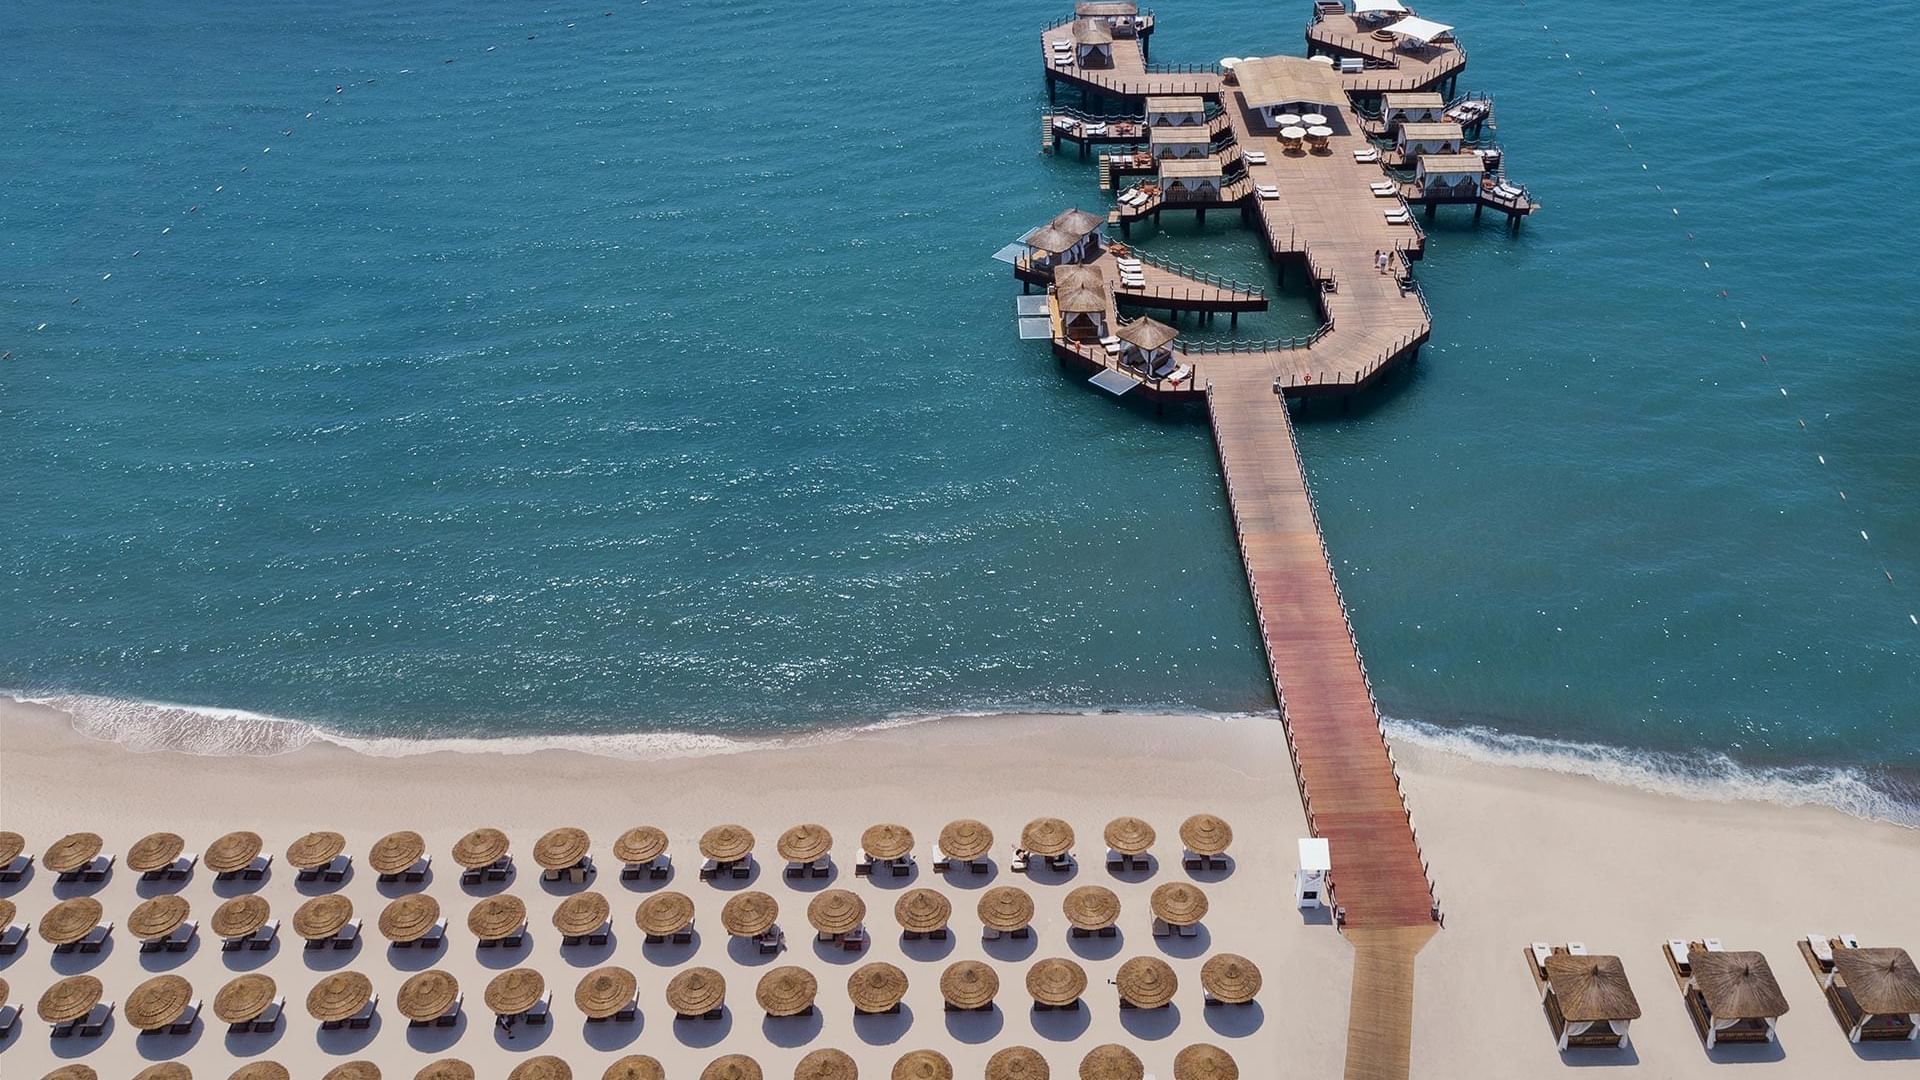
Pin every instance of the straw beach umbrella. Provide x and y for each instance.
(495, 917)
(664, 913)
(1056, 982)
(876, 987)
(71, 852)
(1129, 835)
(70, 999)
(581, 914)
(786, 991)
(1091, 908)
(561, 849)
(1883, 980)
(965, 839)
(11, 845)
(315, 850)
(339, 996)
(726, 843)
(1737, 985)
(828, 1064)
(1205, 834)
(805, 843)
(1048, 836)
(244, 998)
(155, 851)
(1005, 908)
(396, 851)
(353, 1070)
(1111, 1061)
(969, 984)
(749, 914)
(233, 852)
(604, 992)
(70, 920)
(427, 995)
(923, 1065)
(634, 1066)
(445, 1069)
(165, 1070)
(542, 1067)
(1205, 1061)
(1178, 903)
(1230, 978)
(1146, 982)
(836, 911)
(480, 848)
(696, 991)
(1591, 988)
(322, 917)
(1018, 1063)
(72, 1071)
(731, 1067)
(158, 917)
(887, 841)
(408, 918)
(922, 911)
(641, 844)
(240, 916)
(514, 991)
(5, 992)
(262, 1070)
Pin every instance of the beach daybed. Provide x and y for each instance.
(1731, 996)
(1255, 157)
(1587, 999)
(1874, 993)
(1383, 188)
(1267, 191)
(1366, 155)
(642, 850)
(885, 848)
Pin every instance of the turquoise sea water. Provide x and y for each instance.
(647, 371)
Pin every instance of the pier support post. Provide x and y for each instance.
(1433, 210)
(1477, 207)
(1200, 216)
(1233, 319)
(1053, 89)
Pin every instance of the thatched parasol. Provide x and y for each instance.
(322, 916)
(922, 911)
(965, 839)
(1056, 981)
(664, 913)
(1737, 985)
(158, 1002)
(876, 987)
(641, 844)
(634, 1066)
(604, 991)
(494, 917)
(969, 984)
(240, 916)
(923, 1065)
(70, 920)
(726, 843)
(1047, 836)
(445, 1069)
(158, 917)
(561, 849)
(11, 845)
(155, 851)
(581, 913)
(5, 992)
(481, 847)
(71, 852)
(805, 843)
(696, 991)
(1591, 988)
(836, 911)
(232, 852)
(70, 999)
(514, 991)
(1883, 980)
(1146, 982)
(396, 851)
(1005, 908)
(267, 1070)
(1018, 1063)
(165, 1070)
(826, 1064)
(427, 995)
(542, 1067)
(339, 996)
(353, 1070)
(749, 914)
(408, 918)
(1178, 903)
(1111, 1061)
(7, 912)
(1205, 834)
(244, 998)
(1230, 978)
(315, 850)
(1091, 907)
(731, 1067)
(887, 841)
(786, 991)
(1205, 1061)
(1129, 835)
(73, 1070)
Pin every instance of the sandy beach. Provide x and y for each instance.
(1517, 856)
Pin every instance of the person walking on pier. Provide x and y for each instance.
(1380, 260)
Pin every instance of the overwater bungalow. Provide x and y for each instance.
(1179, 142)
(1080, 292)
(1423, 107)
(1122, 17)
(1092, 43)
(1191, 179)
(1184, 111)
(1449, 176)
(1419, 138)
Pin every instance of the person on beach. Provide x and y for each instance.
(1380, 260)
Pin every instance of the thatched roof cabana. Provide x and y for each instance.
(1147, 334)
(1737, 985)
(1883, 981)
(1591, 988)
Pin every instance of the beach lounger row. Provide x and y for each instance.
(1366, 155)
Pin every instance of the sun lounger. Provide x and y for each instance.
(9, 1019)
(1267, 191)
(1576, 948)
(96, 869)
(16, 868)
(95, 940)
(334, 870)
(177, 870)
(89, 1026)
(1383, 188)
(1255, 157)
(12, 938)
(1366, 155)
(416, 872)
(1399, 217)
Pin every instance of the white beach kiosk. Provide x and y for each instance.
(1316, 866)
